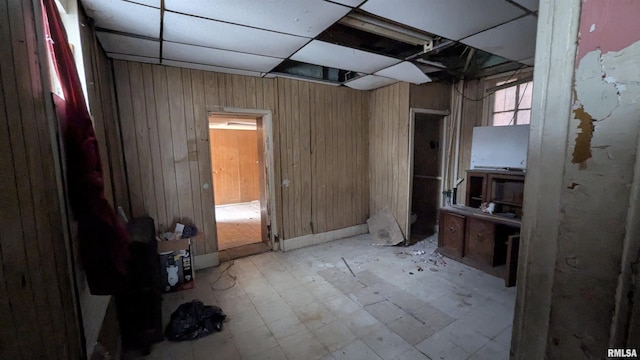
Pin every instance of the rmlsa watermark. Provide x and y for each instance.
(622, 353)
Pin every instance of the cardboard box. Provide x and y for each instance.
(176, 265)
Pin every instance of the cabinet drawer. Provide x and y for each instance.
(451, 233)
(480, 240)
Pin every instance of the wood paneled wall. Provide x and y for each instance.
(471, 117)
(389, 150)
(389, 141)
(37, 309)
(234, 159)
(319, 134)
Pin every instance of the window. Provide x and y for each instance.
(511, 105)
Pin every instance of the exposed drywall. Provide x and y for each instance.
(37, 308)
(319, 134)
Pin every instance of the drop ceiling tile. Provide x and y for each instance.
(453, 19)
(219, 69)
(134, 58)
(154, 3)
(405, 71)
(298, 17)
(216, 57)
(530, 61)
(370, 82)
(116, 43)
(341, 57)
(124, 16)
(529, 4)
(210, 33)
(514, 40)
(352, 3)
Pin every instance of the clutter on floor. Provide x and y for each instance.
(194, 320)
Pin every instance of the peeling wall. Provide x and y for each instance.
(598, 173)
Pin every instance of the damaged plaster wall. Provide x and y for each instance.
(598, 175)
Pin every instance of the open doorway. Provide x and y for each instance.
(239, 174)
(426, 168)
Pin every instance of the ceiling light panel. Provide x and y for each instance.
(141, 59)
(216, 57)
(515, 40)
(204, 32)
(342, 57)
(529, 4)
(116, 43)
(453, 19)
(405, 71)
(298, 17)
(124, 16)
(370, 82)
(188, 65)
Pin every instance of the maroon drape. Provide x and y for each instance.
(103, 242)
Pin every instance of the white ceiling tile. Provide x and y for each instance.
(124, 16)
(529, 4)
(134, 58)
(453, 19)
(405, 71)
(298, 17)
(216, 57)
(154, 3)
(370, 82)
(210, 68)
(116, 43)
(352, 3)
(514, 40)
(342, 57)
(197, 31)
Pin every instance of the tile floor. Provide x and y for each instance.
(403, 303)
(238, 224)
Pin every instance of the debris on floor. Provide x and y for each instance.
(194, 320)
(384, 229)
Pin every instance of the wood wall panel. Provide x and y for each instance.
(389, 141)
(37, 308)
(320, 137)
(235, 165)
(471, 117)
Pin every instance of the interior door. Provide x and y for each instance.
(427, 179)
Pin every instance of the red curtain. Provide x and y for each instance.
(103, 242)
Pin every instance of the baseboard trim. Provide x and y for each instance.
(314, 239)
(206, 261)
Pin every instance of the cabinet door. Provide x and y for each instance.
(451, 234)
(480, 240)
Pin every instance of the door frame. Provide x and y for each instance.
(269, 163)
(444, 114)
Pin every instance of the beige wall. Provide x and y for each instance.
(319, 135)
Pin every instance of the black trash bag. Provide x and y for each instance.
(194, 320)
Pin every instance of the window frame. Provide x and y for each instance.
(515, 78)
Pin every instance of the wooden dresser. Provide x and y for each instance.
(487, 242)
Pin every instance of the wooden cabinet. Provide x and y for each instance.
(487, 242)
(451, 230)
(504, 188)
(480, 241)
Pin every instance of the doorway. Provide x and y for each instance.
(426, 171)
(240, 186)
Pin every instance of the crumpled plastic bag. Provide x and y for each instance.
(194, 320)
